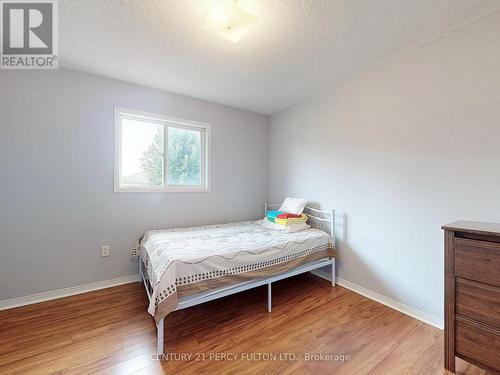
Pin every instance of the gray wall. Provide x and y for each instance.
(399, 150)
(57, 205)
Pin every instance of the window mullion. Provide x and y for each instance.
(165, 155)
(203, 147)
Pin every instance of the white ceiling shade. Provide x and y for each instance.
(227, 20)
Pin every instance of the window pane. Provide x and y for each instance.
(141, 154)
(184, 157)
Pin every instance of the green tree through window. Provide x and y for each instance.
(184, 150)
(152, 160)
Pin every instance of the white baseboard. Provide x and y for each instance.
(46, 296)
(59, 293)
(396, 305)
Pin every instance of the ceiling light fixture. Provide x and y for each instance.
(229, 21)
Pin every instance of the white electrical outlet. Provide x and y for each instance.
(105, 251)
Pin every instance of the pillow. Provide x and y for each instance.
(291, 228)
(293, 205)
(271, 225)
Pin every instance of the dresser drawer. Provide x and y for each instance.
(478, 301)
(477, 343)
(477, 260)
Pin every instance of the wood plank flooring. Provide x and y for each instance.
(110, 332)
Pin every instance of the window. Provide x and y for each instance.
(160, 153)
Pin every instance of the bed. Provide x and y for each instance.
(188, 266)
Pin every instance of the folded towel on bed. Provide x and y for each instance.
(285, 218)
(272, 215)
(301, 220)
(288, 215)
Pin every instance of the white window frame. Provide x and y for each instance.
(167, 121)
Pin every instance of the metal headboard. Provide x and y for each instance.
(321, 219)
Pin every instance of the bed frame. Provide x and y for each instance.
(324, 220)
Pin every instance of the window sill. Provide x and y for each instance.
(162, 190)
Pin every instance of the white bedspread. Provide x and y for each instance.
(176, 257)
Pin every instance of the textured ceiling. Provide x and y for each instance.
(298, 48)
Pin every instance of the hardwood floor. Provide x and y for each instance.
(110, 332)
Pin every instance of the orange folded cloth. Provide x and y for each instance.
(286, 215)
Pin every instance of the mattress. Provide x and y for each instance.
(186, 261)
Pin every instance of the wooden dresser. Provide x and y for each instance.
(472, 294)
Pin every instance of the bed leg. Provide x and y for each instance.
(269, 303)
(333, 272)
(159, 338)
(140, 270)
